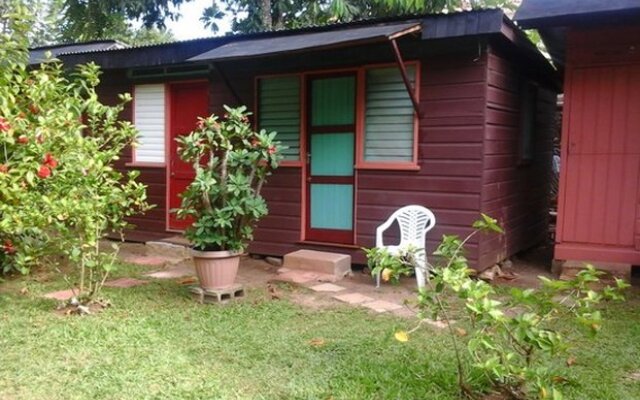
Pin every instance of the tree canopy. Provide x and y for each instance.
(259, 15)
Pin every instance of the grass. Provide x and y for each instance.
(156, 343)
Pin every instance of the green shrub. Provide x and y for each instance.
(231, 163)
(510, 339)
(59, 191)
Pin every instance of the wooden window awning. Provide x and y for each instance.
(294, 43)
(263, 47)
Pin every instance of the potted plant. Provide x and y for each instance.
(231, 162)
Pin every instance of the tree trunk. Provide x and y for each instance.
(265, 8)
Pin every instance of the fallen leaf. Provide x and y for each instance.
(402, 336)
(24, 291)
(571, 361)
(317, 342)
(461, 332)
(187, 281)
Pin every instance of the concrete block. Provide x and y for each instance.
(221, 296)
(322, 262)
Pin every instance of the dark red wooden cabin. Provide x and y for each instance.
(597, 45)
(468, 131)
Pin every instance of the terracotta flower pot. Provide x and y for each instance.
(216, 269)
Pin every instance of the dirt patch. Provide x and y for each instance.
(311, 301)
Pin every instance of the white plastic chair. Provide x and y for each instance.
(414, 221)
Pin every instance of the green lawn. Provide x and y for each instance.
(156, 343)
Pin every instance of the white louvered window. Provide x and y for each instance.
(389, 116)
(149, 118)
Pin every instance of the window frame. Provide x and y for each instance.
(149, 164)
(256, 120)
(360, 162)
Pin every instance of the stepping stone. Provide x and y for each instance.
(152, 261)
(353, 298)
(322, 262)
(297, 277)
(172, 273)
(327, 287)
(382, 306)
(125, 283)
(60, 295)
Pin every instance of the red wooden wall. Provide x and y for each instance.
(599, 204)
(514, 192)
(467, 137)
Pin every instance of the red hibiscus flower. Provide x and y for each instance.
(8, 247)
(44, 172)
(34, 109)
(4, 168)
(255, 142)
(4, 125)
(50, 161)
(271, 150)
(22, 139)
(200, 124)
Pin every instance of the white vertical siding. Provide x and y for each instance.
(149, 118)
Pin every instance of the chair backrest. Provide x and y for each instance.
(414, 222)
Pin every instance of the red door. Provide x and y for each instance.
(603, 158)
(187, 102)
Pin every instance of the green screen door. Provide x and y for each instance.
(331, 130)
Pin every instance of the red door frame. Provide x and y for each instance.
(170, 155)
(328, 235)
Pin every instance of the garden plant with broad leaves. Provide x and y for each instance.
(59, 192)
(231, 162)
(510, 340)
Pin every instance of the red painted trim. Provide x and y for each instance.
(334, 245)
(328, 235)
(167, 154)
(591, 252)
(145, 165)
(303, 158)
(388, 166)
(338, 180)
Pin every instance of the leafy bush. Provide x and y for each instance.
(59, 191)
(510, 339)
(231, 163)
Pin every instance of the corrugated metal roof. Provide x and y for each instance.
(305, 41)
(39, 54)
(470, 23)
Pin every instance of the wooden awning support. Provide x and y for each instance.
(403, 71)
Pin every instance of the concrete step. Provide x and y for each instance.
(338, 265)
